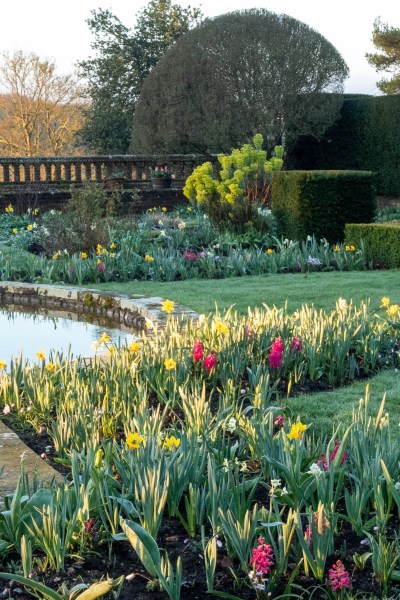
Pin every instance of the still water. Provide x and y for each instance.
(28, 331)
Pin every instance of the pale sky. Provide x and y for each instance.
(59, 30)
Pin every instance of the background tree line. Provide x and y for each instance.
(40, 111)
(178, 82)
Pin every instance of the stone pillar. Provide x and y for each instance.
(26, 172)
(36, 172)
(47, 171)
(97, 172)
(67, 168)
(87, 170)
(6, 173)
(17, 178)
(58, 171)
(78, 174)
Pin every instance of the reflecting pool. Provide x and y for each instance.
(27, 330)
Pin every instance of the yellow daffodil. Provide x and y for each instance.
(29, 227)
(113, 246)
(112, 254)
(133, 440)
(50, 367)
(169, 364)
(134, 347)
(41, 355)
(15, 231)
(270, 251)
(56, 256)
(393, 310)
(297, 430)
(35, 212)
(221, 327)
(83, 255)
(99, 248)
(385, 302)
(168, 306)
(171, 443)
(164, 209)
(2, 365)
(148, 258)
(105, 338)
(9, 209)
(336, 249)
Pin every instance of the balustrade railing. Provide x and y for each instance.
(77, 169)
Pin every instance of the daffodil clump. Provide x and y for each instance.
(392, 310)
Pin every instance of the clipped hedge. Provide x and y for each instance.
(365, 137)
(320, 203)
(382, 242)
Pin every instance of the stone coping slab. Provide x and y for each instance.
(133, 309)
(12, 451)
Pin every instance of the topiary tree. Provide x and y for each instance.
(235, 75)
(234, 200)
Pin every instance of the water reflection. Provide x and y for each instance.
(28, 329)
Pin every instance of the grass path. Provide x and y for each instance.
(320, 289)
(327, 409)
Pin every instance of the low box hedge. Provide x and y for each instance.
(320, 203)
(382, 242)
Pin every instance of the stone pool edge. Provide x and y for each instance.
(133, 310)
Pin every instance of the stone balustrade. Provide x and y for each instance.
(53, 170)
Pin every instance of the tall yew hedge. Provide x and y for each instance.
(320, 203)
(366, 137)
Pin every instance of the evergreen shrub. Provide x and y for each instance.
(365, 137)
(381, 242)
(320, 203)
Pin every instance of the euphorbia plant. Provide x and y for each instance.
(234, 199)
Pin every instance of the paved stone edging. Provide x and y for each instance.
(131, 310)
(12, 451)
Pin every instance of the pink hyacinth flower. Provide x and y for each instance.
(276, 353)
(262, 559)
(297, 344)
(210, 361)
(198, 350)
(339, 577)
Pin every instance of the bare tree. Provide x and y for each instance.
(40, 111)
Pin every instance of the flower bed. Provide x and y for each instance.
(188, 468)
(160, 246)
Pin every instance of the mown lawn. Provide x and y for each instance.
(320, 289)
(327, 409)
